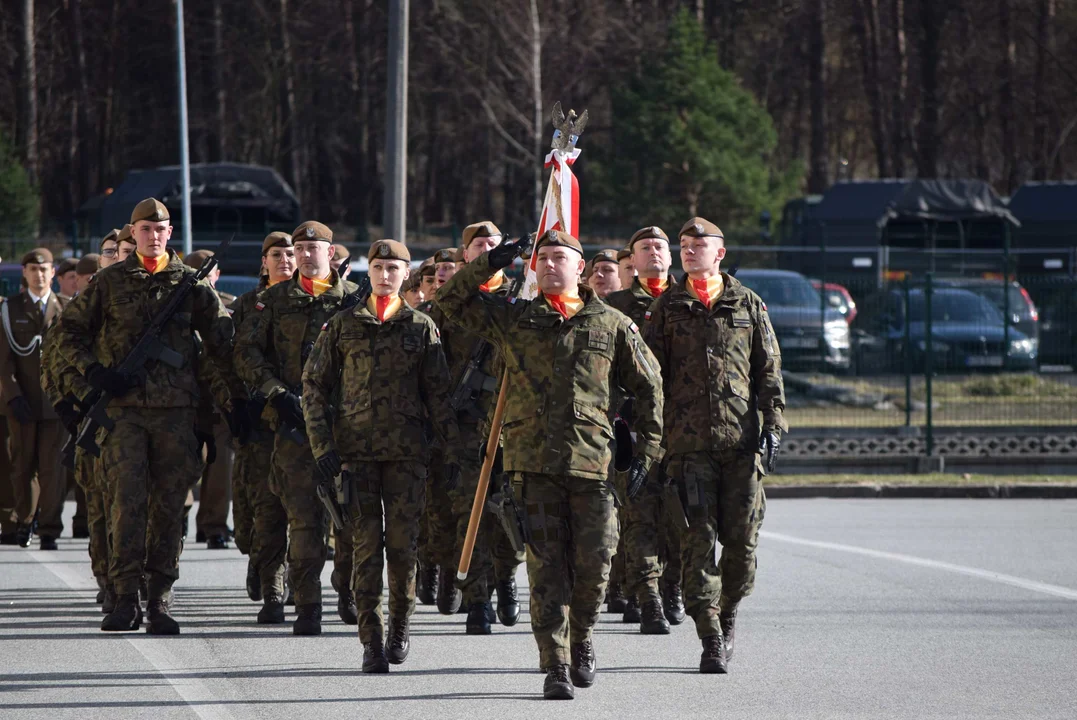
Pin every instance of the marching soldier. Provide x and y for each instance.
(625, 270)
(87, 267)
(429, 554)
(563, 351)
(412, 291)
(342, 261)
(375, 371)
(273, 346)
(721, 369)
(151, 454)
(446, 263)
(428, 278)
(604, 277)
(67, 278)
(649, 538)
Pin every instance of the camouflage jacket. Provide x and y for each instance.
(720, 368)
(560, 375)
(369, 385)
(104, 321)
(633, 302)
(279, 333)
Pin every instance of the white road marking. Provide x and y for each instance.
(1024, 583)
(191, 690)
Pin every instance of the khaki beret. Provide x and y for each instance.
(275, 239)
(651, 231)
(558, 237)
(388, 250)
(149, 209)
(125, 235)
(447, 255)
(606, 255)
(411, 283)
(39, 256)
(623, 253)
(196, 258)
(698, 227)
(88, 264)
(479, 229)
(66, 265)
(427, 267)
(341, 253)
(112, 235)
(312, 230)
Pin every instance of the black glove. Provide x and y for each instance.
(114, 382)
(288, 408)
(205, 440)
(451, 480)
(69, 416)
(770, 442)
(329, 465)
(20, 410)
(637, 476)
(503, 255)
(239, 421)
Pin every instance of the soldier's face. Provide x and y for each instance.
(626, 271)
(68, 283)
(429, 285)
(38, 276)
(152, 237)
(109, 254)
(701, 255)
(558, 269)
(443, 272)
(280, 264)
(313, 257)
(651, 257)
(604, 279)
(386, 276)
(414, 297)
(124, 251)
(480, 245)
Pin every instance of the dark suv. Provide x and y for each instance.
(1024, 316)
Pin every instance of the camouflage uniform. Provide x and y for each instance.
(727, 370)
(270, 349)
(368, 387)
(556, 435)
(151, 456)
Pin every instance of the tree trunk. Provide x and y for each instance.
(220, 133)
(1007, 121)
(1044, 45)
(81, 141)
(900, 83)
(818, 174)
(26, 136)
(536, 103)
(293, 152)
(866, 27)
(927, 156)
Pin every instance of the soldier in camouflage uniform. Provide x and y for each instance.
(721, 368)
(151, 455)
(650, 541)
(565, 352)
(429, 556)
(272, 345)
(375, 372)
(604, 277)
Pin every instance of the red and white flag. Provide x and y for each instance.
(560, 210)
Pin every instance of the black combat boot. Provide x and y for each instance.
(478, 622)
(159, 620)
(346, 608)
(673, 604)
(713, 660)
(584, 664)
(399, 641)
(449, 596)
(652, 621)
(24, 534)
(48, 542)
(254, 582)
(126, 616)
(508, 603)
(632, 614)
(615, 599)
(374, 659)
(272, 612)
(727, 620)
(100, 591)
(426, 584)
(108, 603)
(557, 685)
(308, 619)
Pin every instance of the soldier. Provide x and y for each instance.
(721, 367)
(342, 260)
(427, 276)
(604, 278)
(563, 351)
(649, 538)
(85, 269)
(8, 523)
(67, 278)
(151, 454)
(625, 270)
(274, 343)
(412, 291)
(375, 371)
(445, 265)
(38, 480)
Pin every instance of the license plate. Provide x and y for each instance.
(984, 361)
(799, 342)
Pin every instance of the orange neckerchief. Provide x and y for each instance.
(706, 291)
(314, 286)
(384, 306)
(567, 304)
(153, 265)
(654, 286)
(270, 282)
(493, 283)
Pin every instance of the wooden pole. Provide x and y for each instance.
(484, 481)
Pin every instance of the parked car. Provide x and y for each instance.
(838, 297)
(967, 333)
(810, 338)
(1023, 313)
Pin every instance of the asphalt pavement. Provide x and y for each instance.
(864, 608)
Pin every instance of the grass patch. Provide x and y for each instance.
(946, 479)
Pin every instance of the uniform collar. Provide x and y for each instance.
(337, 291)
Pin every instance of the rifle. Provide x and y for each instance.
(336, 499)
(507, 511)
(148, 347)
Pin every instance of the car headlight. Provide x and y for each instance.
(836, 333)
(937, 346)
(1027, 346)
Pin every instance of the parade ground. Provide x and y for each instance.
(863, 609)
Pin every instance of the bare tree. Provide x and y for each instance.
(818, 171)
(866, 26)
(1005, 109)
(1045, 18)
(899, 83)
(931, 18)
(27, 106)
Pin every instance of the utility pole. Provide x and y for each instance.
(185, 153)
(394, 211)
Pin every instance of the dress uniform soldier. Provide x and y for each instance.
(721, 369)
(604, 277)
(39, 482)
(565, 352)
(274, 343)
(649, 538)
(151, 454)
(375, 372)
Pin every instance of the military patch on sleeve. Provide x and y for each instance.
(635, 328)
(598, 340)
(259, 306)
(512, 301)
(647, 315)
(764, 305)
(325, 325)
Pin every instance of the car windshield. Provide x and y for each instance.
(956, 307)
(783, 290)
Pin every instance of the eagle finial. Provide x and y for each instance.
(566, 130)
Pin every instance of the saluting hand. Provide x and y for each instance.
(504, 254)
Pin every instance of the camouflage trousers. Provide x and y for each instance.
(251, 467)
(149, 460)
(573, 529)
(88, 476)
(385, 509)
(725, 504)
(493, 560)
(268, 533)
(652, 549)
(216, 492)
(437, 537)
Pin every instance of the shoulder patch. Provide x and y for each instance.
(647, 315)
(512, 301)
(764, 305)
(259, 306)
(633, 327)
(325, 325)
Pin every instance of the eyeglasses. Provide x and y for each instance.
(110, 253)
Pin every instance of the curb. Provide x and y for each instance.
(1022, 492)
